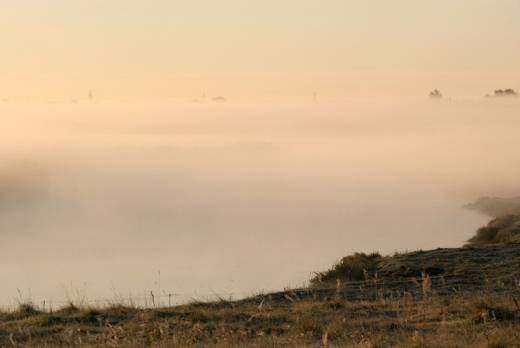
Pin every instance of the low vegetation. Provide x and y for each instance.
(352, 267)
(499, 230)
(505, 227)
(464, 297)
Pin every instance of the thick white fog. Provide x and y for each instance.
(236, 198)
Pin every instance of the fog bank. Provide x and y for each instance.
(234, 198)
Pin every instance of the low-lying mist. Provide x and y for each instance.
(236, 198)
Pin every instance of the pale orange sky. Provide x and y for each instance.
(256, 50)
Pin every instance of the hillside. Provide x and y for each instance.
(465, 296)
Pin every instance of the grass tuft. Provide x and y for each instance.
(27, 309)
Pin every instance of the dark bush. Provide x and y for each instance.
(27, 309)
(349, 268)
(498, 230)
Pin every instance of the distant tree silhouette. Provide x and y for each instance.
(505, 93)
(435, 95)
(219, 99)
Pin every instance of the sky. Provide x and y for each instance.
(256, 50)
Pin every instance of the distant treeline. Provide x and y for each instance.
(506, 93)
(498, 93)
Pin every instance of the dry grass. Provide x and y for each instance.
(447, 311)
(262, 322)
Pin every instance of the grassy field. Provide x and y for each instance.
(465, 297)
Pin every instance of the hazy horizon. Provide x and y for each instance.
(257, 50)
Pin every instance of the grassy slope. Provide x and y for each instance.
(471, 302)
(497, 262)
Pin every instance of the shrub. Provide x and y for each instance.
(27, 309)
(498, 230)
(349, 268)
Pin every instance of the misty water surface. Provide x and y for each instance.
(233, 198)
